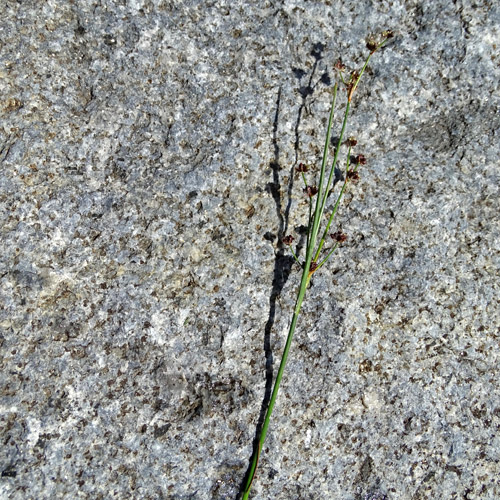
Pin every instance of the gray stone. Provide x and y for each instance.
(147, 151)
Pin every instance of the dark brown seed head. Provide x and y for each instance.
(310, 191)
(351, 142)
(360, 160)
(388, 34)
(371, 44)
(313, 267)
(339, 237)
(353, 176)
(288, 240)
(339, 65)
(302, 168)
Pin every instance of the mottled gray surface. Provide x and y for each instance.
(145, 150)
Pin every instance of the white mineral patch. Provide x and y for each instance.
(371, 399)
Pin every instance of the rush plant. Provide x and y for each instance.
(316, 255)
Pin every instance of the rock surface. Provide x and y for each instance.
(147, 150)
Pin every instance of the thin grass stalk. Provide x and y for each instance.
(304, 282)
(337, 150)
(334, 211)
(327, 256)
(319, 207)
(323, 203)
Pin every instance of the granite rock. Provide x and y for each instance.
(147, 150)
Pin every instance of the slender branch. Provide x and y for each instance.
(309, 222)
(353, 88)
(319, 205)
(335, 208)
(328, 256)
(304, 179)
(337, 150)
(294, 256)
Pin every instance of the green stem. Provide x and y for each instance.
(294, 256)
(330, 220)
(363, 69)
(335, 208)
(330, 177)
(300, 298)
(309, 222)
(306, 273)
(328, 256)
(319, 205)
(304, 179)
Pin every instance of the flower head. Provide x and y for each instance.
(371, 44)
(310, 191)
(353, 176)
(360, 160)
(351, 142)
(339, 65)
(339, 237)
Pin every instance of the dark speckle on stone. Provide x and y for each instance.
(109, 40)
(325, 79)
(9, 472)
(161, 430)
